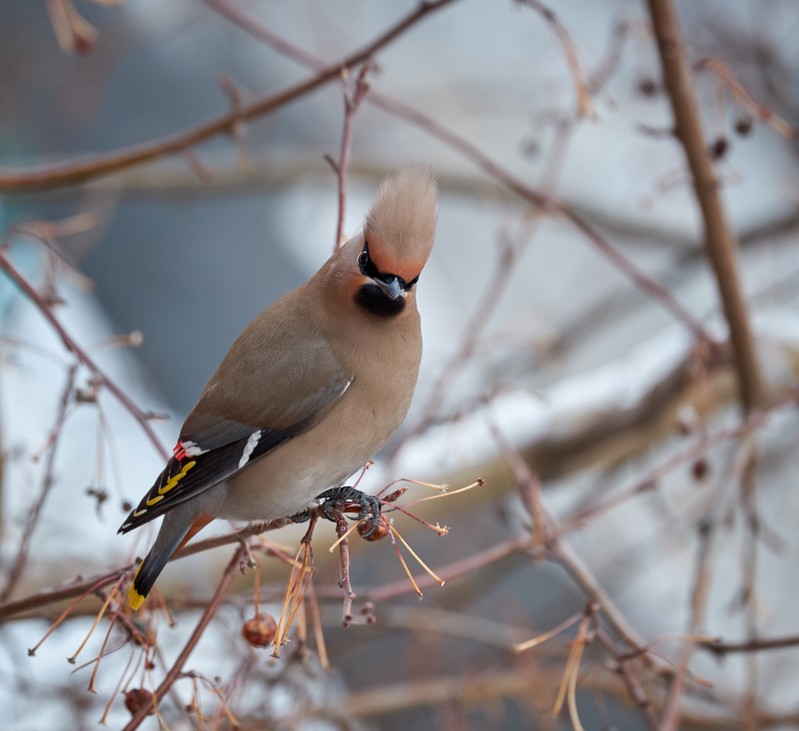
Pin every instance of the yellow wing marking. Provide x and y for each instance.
(174, 480)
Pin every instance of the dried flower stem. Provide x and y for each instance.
(430, 571)
(546, 636)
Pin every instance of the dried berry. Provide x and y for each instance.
(719, 147)
(743, 126)
(378, 534)
(136, 698)
(647, 87)
(83, 44)
(259, 631)
(700, 469)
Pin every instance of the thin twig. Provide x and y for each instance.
(720, 648)
(352, 100)
(584, 106)
(344, 568)
(742, 96)
(48, 480)
(631, 677)
(73, 347)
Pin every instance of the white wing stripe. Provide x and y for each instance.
(252, 443)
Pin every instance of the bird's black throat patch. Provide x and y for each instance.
(376, 302)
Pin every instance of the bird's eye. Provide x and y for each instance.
(365, 263)
(368, 269)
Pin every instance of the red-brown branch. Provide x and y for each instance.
(75, 172)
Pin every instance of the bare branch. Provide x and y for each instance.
(76, 172)
(719, 238)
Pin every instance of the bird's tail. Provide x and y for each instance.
(171, 538)
(149, 570)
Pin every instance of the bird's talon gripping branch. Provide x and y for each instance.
(337, 498)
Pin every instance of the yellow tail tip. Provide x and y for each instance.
(134, 598)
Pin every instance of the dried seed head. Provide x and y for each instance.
(379, 533)
(259, 631)
(136, 698)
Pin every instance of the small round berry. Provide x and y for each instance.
(259, 631)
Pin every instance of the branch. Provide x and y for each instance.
(720, 648)
(352, 100)
(82, 586)
(83, 357)
(719, 239)
(584, 106)
(48, 479)
(176, 669)
(542, 201)
(75, 172)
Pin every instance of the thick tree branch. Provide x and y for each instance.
(719, 239)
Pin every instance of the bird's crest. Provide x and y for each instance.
(401, 224)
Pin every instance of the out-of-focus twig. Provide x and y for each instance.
(585, 107)
(720, 647)
(80, 171)
(744, 98)
(719, 238)
(83, 357)
(352, 100)
(48, 479)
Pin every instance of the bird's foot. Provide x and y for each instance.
(340, 498)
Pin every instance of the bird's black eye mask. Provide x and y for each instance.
(368, 269)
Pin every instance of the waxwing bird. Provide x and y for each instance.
(312, 388)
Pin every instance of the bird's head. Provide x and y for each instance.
(397, 238)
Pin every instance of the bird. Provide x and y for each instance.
(310, 390)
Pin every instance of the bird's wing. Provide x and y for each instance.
(271, 387)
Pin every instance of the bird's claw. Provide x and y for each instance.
(336, 499)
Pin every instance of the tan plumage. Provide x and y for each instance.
(310, 390)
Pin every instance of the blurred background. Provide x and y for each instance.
(547, 364)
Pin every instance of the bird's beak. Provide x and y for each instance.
(391, 288)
